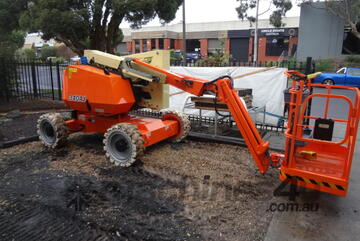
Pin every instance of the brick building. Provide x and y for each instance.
(205, 38)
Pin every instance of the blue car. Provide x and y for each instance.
(344, 76)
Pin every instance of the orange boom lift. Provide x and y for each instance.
(102, 97)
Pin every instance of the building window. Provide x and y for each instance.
(277, 46)
(354, 72)
(144, 45)
(153, 43)
(137, 46)
(192, 45)
(161, 43)
(213, 45)
(172, 43)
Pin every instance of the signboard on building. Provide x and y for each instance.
(278, 32)
(272, 31)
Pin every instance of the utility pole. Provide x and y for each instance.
(184, 33)
(256, 34)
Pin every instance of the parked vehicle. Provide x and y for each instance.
(344, 76)
(192, 56)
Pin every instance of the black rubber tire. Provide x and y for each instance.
(52, 130)
(123, 144)
(328, 82)
(183, 120)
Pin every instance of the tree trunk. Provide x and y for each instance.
(354, 30)
(76, 49)
(97, 34)
(112, 32)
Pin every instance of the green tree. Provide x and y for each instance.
(11, 38)
(48, 51)
(94, 24)
(347, 10)
(25, 54)
(280, 9)
(219, 57)
(10, 42)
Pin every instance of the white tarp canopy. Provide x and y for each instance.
(267, 87)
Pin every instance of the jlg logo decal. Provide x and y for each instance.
(70, 71)
(77, 98)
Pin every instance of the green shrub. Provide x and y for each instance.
(353, 59)
(48, 51)
(59, 60)
(175, 56)
(25, 54)
(325, 65)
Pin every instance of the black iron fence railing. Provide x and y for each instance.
(306, 66)
(34, 79)
(24, 79)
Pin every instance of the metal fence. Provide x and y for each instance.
(307, 66)
(33, 79)
(30, 79)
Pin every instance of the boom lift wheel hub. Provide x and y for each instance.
(123, 144)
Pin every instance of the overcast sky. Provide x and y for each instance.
(215, 10)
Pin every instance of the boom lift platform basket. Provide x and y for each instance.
(319, 162)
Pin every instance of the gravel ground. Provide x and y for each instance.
(187, 191)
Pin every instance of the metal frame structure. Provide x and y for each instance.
(189, 105)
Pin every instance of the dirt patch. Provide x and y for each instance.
(19, 127)
(32, 105)
(187, 191)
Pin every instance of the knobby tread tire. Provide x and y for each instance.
(58, 123)
(183, 120)
(137, 143)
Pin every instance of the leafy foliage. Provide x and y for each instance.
(93, 24)
(10, 42)
(281, 7)
(325, 65)
(175, 57)
(217, 58)
(48, 51)
(347, 10)
(27, 54)
(353, 59)
(11, 38)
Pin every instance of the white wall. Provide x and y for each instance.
(320, 33)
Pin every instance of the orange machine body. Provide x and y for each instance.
(101, 100)
(89, 89)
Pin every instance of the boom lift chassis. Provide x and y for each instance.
(310, 162)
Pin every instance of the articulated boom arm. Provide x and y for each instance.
(224, 92)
